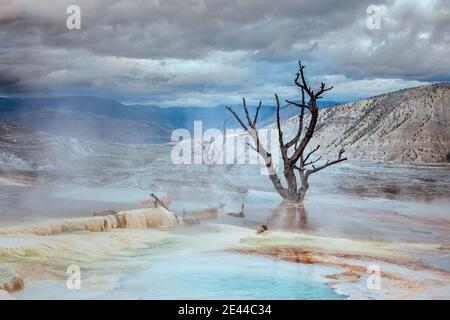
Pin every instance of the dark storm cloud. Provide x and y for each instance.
(180, 28)
(201, 52)
(413, 43)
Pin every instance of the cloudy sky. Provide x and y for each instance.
(206, 53)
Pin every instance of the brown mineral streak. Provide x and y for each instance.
(353, 272)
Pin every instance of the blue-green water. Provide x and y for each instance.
(227, 276)
(211, 275)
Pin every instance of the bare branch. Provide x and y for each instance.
(324, 166)
(309, 154)
(257, 113)
(322, 90)
(297, 104)
(312, 162)
(307, 137)
(301, 75)
(303, 97)
(328, 163)
(296, 138)
(300, 121)
(280, 132)
(251, 146)
(237, 118)
(247, 115)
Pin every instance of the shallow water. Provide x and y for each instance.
(356, 200)
(199, 276)
(181, 263)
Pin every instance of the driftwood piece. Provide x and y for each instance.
(158, 202)
(239, 214)
(263, 228)
(151, 202)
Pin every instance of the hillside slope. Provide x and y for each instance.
(410, 125)
(22, 148)
(100, 119)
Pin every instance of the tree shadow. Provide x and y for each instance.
(294, 214)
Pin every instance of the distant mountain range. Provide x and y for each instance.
(410, 125)
(100, 119)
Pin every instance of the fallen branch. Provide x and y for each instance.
(239, 214)
(158, 202)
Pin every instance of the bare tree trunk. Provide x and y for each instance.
(293, 151)
(304, 187)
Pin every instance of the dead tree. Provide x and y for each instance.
(206, 151)
(293, 152)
